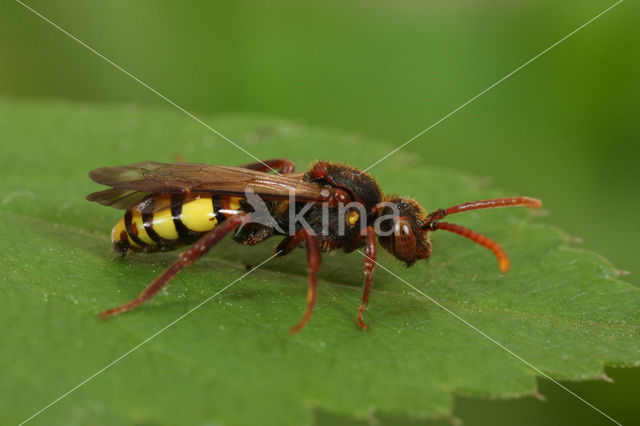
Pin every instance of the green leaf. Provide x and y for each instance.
(232, 361)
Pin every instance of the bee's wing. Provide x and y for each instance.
(131, 185)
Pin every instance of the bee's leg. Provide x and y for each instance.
(202, 246)
(314, 259)
(282, 165)
(369, 266)
(288, 244)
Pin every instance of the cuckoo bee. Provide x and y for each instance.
(168, 206)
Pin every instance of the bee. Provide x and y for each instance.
(331, 206)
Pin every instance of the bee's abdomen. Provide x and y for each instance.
(180, 223)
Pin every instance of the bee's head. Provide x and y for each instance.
(404, 227)
(402, 231)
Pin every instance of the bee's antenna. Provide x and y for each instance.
(501, 255)
(533, 203)
(431, 222)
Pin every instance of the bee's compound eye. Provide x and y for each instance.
(404, 241)
(402, 228)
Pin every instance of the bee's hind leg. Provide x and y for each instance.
(202, 246)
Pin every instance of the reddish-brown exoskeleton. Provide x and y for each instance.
(334, 206)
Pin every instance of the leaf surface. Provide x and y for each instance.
(231, 361)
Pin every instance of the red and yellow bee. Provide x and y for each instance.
(338, 206)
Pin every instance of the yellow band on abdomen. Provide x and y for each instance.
(166, 227)
(162, 223)
(198, 215)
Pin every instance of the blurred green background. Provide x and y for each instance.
(564, 128)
